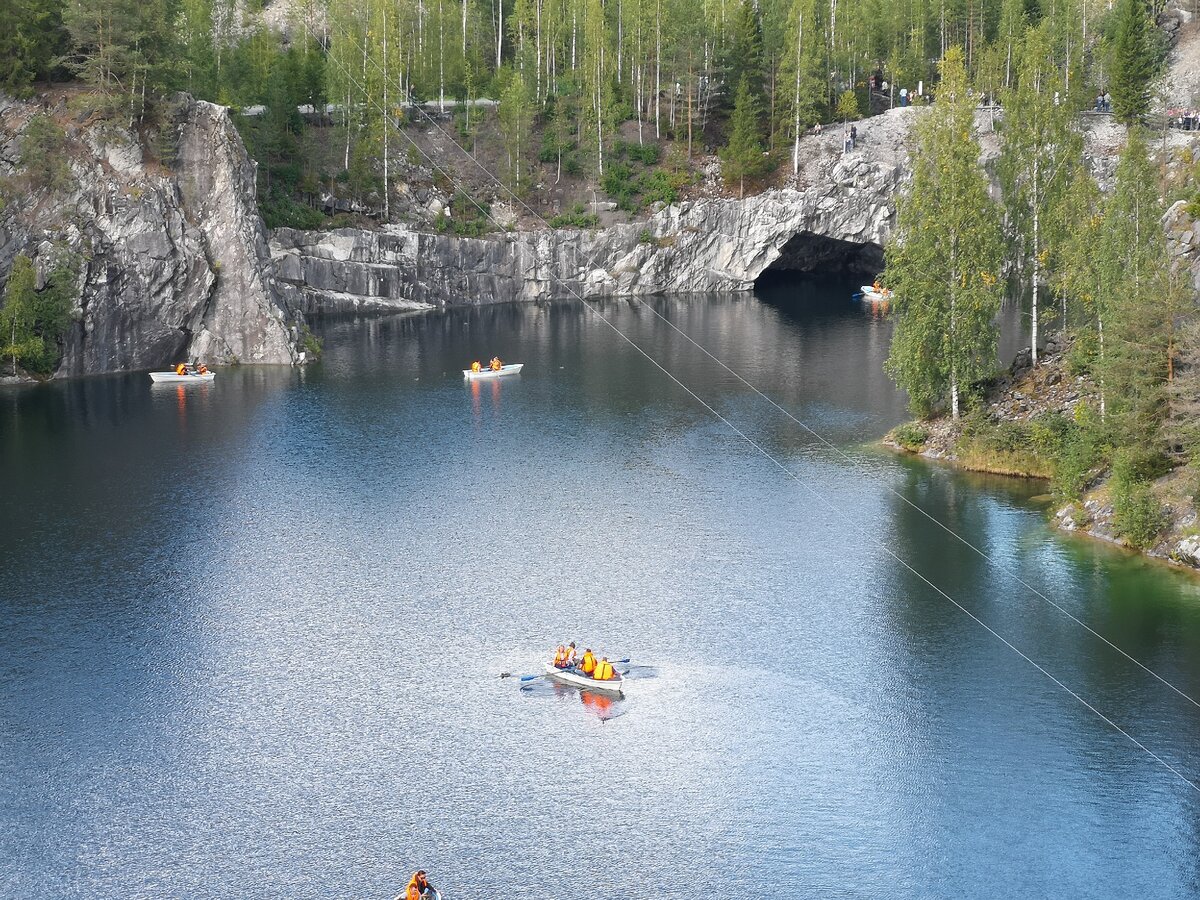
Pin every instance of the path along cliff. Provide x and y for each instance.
(839, 215)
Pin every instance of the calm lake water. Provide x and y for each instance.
(251, 633)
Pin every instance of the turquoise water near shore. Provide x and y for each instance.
(250, 632)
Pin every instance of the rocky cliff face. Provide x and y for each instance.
(172, 264)
(841, 220)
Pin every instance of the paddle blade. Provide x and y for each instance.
(529, 677)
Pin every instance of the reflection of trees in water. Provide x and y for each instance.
(1149, 612)
(807, 347)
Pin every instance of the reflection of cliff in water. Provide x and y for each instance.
(804, 343)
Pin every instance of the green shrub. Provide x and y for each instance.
(646, 154)
(279, 210)
(1132, 464)
(43, 154)
(33, 322)
(1083, 353)
(1137, 515)
(619, 184)
(911, 436)
(661, 186)
(575, 218)
(646, 236)
(310, 343)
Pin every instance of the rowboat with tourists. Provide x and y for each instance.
(586, 671)
(573, 676)
(876, 293)
(183, 373)
(494, 369)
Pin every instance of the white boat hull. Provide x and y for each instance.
(173, 378)
(514, 369)
(578, 679)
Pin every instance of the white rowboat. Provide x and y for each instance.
(514, 369)
(578, 679)
(873, 296)
(173, 378)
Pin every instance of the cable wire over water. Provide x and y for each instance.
(831, 506)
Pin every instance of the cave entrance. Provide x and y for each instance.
(809, 253)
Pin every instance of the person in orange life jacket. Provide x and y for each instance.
(588, 666)
(570, 658)
(476, 366)
(495, 364)
(418, 887)
(181, 369)
(560, 657)
(604, 670)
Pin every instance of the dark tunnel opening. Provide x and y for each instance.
(810, 253)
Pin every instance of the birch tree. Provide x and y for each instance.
(944, 264)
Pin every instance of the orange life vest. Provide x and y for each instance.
(476, 366)
(181, 369)
(560, 656)
(589, 663)
(496, 364)
(604, 671)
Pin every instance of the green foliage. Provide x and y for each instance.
(1083, 352)
(1138, 516)
(577, 217)
(618, 183)
(847, 106)
(911, 436)
(1134, 63)
(32, 322)
(945, 261)
(516, 122)
(31, 41)
(742, 157)
(1041, 151)
(310, 343)
(280, 210)
(746, 55)
(43, 154)
(468, 217)
(646, 154)
(1134, 301)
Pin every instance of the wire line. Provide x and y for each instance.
(761, 450)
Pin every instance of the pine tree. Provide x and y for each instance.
(743, 155)
(945, 261)
(1134, 65)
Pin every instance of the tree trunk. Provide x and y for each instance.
(387, 208)
(1037, 270)
(796, 97)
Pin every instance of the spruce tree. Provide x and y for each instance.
(1133, 300)
(1134, 65)
(743, 155)
(746, 58)
(945, 262)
